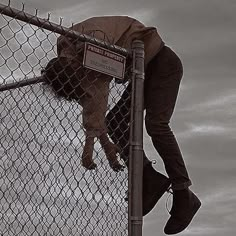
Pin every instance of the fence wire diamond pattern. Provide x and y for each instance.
(44, 189)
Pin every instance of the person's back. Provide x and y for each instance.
(115, 30)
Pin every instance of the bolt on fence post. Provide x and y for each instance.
(136, 142)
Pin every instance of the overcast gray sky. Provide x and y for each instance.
(203, 33)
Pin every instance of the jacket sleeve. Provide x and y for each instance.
(95, 105)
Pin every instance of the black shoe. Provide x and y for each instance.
(185, 206)
(155, 185)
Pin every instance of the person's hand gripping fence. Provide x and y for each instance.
(70, 80)
(96, 86)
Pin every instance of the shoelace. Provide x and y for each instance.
(170, 191)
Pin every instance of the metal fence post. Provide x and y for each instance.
(136, 142)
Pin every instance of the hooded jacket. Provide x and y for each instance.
(116, 30)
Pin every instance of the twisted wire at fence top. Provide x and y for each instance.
(44, 190)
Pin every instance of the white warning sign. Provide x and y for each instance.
(104, 61)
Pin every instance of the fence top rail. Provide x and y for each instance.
(57, 28)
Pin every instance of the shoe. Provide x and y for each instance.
(185, 206)
(155, 185)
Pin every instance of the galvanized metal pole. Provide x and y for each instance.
(21, 83)
(136, 142)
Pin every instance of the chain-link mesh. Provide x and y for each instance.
(44, 189)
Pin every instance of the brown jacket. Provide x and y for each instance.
(118, 30)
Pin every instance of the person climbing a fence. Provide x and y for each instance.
(163, 74)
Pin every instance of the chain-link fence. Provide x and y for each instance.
(60, 133)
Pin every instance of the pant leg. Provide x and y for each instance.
(163, 76)
(118, 125)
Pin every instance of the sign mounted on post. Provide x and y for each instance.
(104, 61)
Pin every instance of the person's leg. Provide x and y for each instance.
(117, 121)
(155, 184)
(163, 77)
